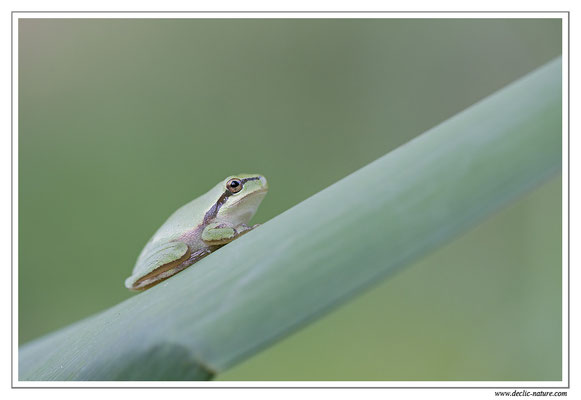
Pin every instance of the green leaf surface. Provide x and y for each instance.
(321, 252)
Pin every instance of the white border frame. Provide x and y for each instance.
(502, 385)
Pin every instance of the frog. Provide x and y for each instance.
(199, 228)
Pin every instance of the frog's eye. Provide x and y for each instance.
(234, 185)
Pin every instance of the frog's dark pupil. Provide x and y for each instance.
(234, 184)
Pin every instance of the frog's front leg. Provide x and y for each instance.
(218, 233)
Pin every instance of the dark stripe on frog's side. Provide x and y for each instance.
(213, 211)
(165, 271)
(146, 280)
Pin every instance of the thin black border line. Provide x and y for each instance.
(568, 199)
(12, 199)
(568, 15)
(292, 12)
(287, 387)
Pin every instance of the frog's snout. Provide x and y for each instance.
(264, 182)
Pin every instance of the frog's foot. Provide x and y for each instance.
(219, 233)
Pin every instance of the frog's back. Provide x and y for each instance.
(184, 219)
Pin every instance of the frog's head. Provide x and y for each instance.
(241, 196)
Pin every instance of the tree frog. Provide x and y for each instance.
(198, 228)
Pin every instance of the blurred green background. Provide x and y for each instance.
(122, 121)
